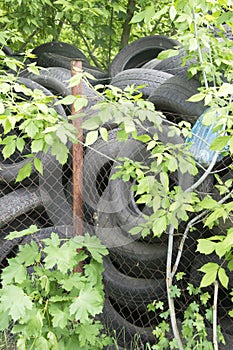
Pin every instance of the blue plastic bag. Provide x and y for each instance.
(201, 139)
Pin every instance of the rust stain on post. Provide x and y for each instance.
(76, 66)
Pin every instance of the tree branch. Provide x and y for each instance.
(185, 234)
(199, 49)
(22, 47)
(215, 321)
(169, 285)
(76, 27)
(127, 26)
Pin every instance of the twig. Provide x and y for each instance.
(181, 246)
(169, 285)
(215, 303)
(199, 49)
(185, 234)
(206, 173)
(110, 36)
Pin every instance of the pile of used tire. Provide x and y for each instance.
(135, 269)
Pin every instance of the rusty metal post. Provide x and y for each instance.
(76, 66)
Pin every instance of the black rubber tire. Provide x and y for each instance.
(140, 51)
(114, 347)
(7, 247)
(172, 95)
(150, 64)
(62, 231)
(122, 199)
(136, 293)
(133, 258)
(125, 332)
(52, 190)
(98, 161)
(18, 202)
(57, 79)
(7, 50)
(173, 65)
(60, 48)
(47, 60)
(228, 339)
(9, 171)
(34, 85)
(151, 78)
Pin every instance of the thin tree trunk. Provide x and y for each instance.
(127, 26)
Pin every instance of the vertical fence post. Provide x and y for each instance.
(76, 66)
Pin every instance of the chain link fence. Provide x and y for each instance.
(135, 269)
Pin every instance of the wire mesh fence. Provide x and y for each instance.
(135, 269)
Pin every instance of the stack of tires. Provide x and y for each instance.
(135, 269)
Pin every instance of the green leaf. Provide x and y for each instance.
(138, 17)
(88, 303)
(68, 100)
(88, 333)
(210, 270)
(219, 143)
(193, 44)
(91, 137)
(93, 271)
(22, 233)
(160, 225)
(64, 256)
(75, 79)
(225, 89)
(175, 292)
(223, 278)
(167, 53)
(60, 151)
(60, 318)
(31, 323)
(53, 343)
(196, 97)
(21, 343)
(135, 230)
(205, 246)
(24, 172)
(80, 103)
(93, 244)
(9, 148)
(20, 143)
(45, 283)
(15, 272)
(164, 180)
(73, 281)
(28, 254)
(37, 145)
(38, 165)
(172, 12)
(91, 123)
(41, 343)
(31, 129)
(2, 108)
(32, 68)
(61, 134)
(149, 13)
(208, 203)
(15, 301)
(104, 134)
